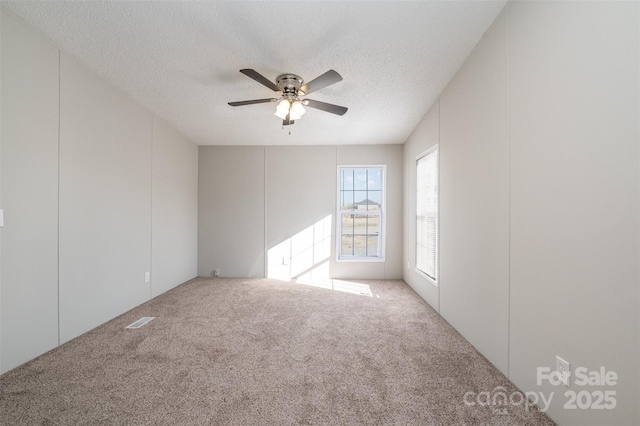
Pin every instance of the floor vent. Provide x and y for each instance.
(142, 321)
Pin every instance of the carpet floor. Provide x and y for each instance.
(263, 352)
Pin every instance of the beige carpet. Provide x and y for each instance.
(264, 352)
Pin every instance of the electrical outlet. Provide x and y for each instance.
(216, 272)
(564, 370)
(147, 277)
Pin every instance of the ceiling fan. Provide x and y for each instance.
(290, 89)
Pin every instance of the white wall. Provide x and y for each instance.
(174, 208)
(82, 205)
(574, 201)
(29, 194)
(231, 211)
(539, 164)
(277, 205)
(301, 193)
(474, 199)
(105, 201)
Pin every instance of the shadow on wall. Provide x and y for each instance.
(304, 259)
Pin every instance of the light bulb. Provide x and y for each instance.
(297, 110)
(283, 109)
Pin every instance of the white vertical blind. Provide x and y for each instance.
(427, 214)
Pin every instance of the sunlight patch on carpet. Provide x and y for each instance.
(319, 277)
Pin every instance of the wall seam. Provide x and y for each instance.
(58, 206)
(639, 181)
(264, 193)
(438, 276)
(336, 215)
(1, 194)
(153, 138)
(508, 129)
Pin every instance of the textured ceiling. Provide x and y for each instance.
(180, 59)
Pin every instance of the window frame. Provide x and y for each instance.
(433, 280)
(382, 214)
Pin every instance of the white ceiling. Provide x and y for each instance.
(180, 59)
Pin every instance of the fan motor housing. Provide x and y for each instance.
(289, 83)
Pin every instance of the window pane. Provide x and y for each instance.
(346, 239)
(375, 198)
(360, 199)
(346, 247)
(425, 249)
(373, 225)
(346, 200)
(373, 235)
(360, 179)
(375, 179)
(346, 179)
(360, 225)
(359, 245)
(366, 235)
(347, 224)
(360, 234)
(372, 246)
(427, 214)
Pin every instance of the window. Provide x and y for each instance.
(427, 214)
(361, 207)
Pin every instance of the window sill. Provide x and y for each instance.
(361, 259)
(426, 277)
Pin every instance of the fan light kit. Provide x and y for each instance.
(290, 88)
(293, 109)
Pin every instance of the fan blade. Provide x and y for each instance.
(327, 79)
(260, 79)
(251, 102)
(333, 109)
